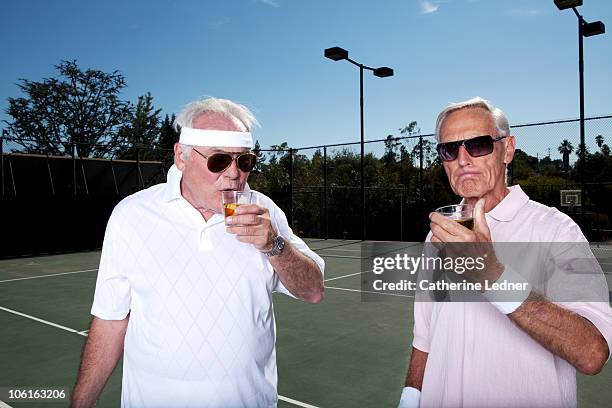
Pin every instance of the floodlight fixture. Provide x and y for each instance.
(594, 28)
(565, 4)
(383, 72)
(336, 53)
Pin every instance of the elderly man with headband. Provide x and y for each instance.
(185, 298)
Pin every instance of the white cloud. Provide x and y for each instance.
(427, 7)
(272, 3)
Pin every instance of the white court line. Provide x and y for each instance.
(59, 326)
(368, 291)
(48, 275)
(295, 402)
(84, 334)
(346, 276)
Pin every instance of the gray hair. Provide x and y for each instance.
(240, 115)
(499, 117)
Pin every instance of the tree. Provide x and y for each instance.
(168, 136)
(523, 165)
(605, 150)
(586, 152)
(565, 149)
(599, 140)
(548, 167)
(391, 146)
(430, 155)
(261, 158)
(141, 136)
(75, 107)
(277, 171)
(411, 129)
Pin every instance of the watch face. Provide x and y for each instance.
(279, 242)
(277, 246)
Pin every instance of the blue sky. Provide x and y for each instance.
(268, 54)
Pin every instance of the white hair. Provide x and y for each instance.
(240, 115)
(497, 115)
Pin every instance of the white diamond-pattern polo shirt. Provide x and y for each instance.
(201, 331)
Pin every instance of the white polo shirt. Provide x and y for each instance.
(201, 331)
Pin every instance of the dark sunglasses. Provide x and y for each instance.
(476, 147)
(218, 162)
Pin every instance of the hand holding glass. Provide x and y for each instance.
(462, 213)
(232, 199)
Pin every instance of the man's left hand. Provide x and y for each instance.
(251, 223)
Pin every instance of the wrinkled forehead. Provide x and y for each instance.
(467, 123)
(217, 121)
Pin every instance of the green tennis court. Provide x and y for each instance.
(340, 353)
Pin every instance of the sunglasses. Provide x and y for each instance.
(218, 162)
(476, 147)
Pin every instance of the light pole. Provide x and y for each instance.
(584, 30)
(337, 54)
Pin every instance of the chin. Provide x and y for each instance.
(468, 194)
(469, 189)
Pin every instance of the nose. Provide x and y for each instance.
(464, 157)
(232, 171)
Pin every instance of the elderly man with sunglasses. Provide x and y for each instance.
(518, 351)
(185, 298)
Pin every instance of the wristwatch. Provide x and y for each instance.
(277, 247)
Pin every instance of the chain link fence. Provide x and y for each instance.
(318, 187)
(404, 181)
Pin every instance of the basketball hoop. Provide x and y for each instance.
(571, 198)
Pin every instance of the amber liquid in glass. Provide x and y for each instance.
(229, 208)
(466, 222)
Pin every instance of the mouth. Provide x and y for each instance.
(230, 189)
(467, 174)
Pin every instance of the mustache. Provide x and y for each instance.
(232, 187)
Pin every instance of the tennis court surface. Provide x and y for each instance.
(340, 353)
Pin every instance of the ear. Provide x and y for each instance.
(178, 157)
(510, 148)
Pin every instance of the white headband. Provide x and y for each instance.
(215, 138)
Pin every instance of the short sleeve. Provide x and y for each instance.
(112, 297)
